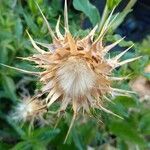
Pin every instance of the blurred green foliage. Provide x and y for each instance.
(103, 131)
(143, 46)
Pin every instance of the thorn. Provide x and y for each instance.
(53, 99)
(92, 32)
(70, 127)
(116, 58)
(108, 99)
(127, 61)
(115, 17)
(34, 44)
(114, 94)
(122, 91)
(50, 47)
(48, 26)
(59, 35)
(108, 20)
(106, 25)
(106, 30)
(110, 112)
(51, 93)
(109, 47)
(118, 78)
(66, 16)
(23, 58)
(24, 71)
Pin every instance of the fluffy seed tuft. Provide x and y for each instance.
(29, 110)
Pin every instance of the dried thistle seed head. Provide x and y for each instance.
(29, 109)
(77, 70)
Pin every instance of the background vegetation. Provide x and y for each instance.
(100, 132)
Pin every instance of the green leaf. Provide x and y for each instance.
(22, 146)
(123, 14)
(88, 131)
(125, 101)
(2, 95)
(88, 9)
(11, 123)
(4, 55)
(120, 19)
(143, 46)
(32, 5)
(145, 124)
(122, 104)
(122, 145)
(77, 140)
(112, 3)
(126, 132)
(38, 145)
(4, 146)
(9, 87)
(45, 134)
(18, 28)
(29, 20)
(56, 5)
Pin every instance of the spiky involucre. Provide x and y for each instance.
(76, 71)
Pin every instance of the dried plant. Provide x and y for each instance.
(29, 109)
(76, 71)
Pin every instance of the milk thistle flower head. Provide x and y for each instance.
(77, 71)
